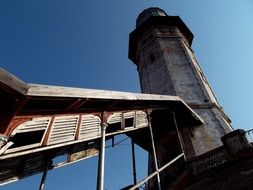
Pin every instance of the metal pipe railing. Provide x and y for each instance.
(157, 172)
(250, 134)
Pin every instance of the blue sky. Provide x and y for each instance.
(85, 44)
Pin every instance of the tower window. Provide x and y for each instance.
(27, 138)
(152, 58)
(129, 122)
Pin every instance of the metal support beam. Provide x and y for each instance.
(101, 166)
(154, 151)
(134, 164)
(44, 176)
(178, 134)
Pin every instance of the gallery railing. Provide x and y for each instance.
(210, 160)
(249, 134)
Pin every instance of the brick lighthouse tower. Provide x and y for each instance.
(160, 46)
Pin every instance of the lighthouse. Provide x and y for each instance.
(160, 47)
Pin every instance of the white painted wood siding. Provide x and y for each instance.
(90, 126)
(141, 119)
(35, 124)
(63, 129)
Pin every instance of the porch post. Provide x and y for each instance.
(134, 164)
(154, 151)
(44, 175)
(101, 167)
(178, 134)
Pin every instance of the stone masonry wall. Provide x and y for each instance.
(167, 65)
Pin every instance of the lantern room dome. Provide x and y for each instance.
(153, 11)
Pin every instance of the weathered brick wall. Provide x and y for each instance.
(167, 65)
